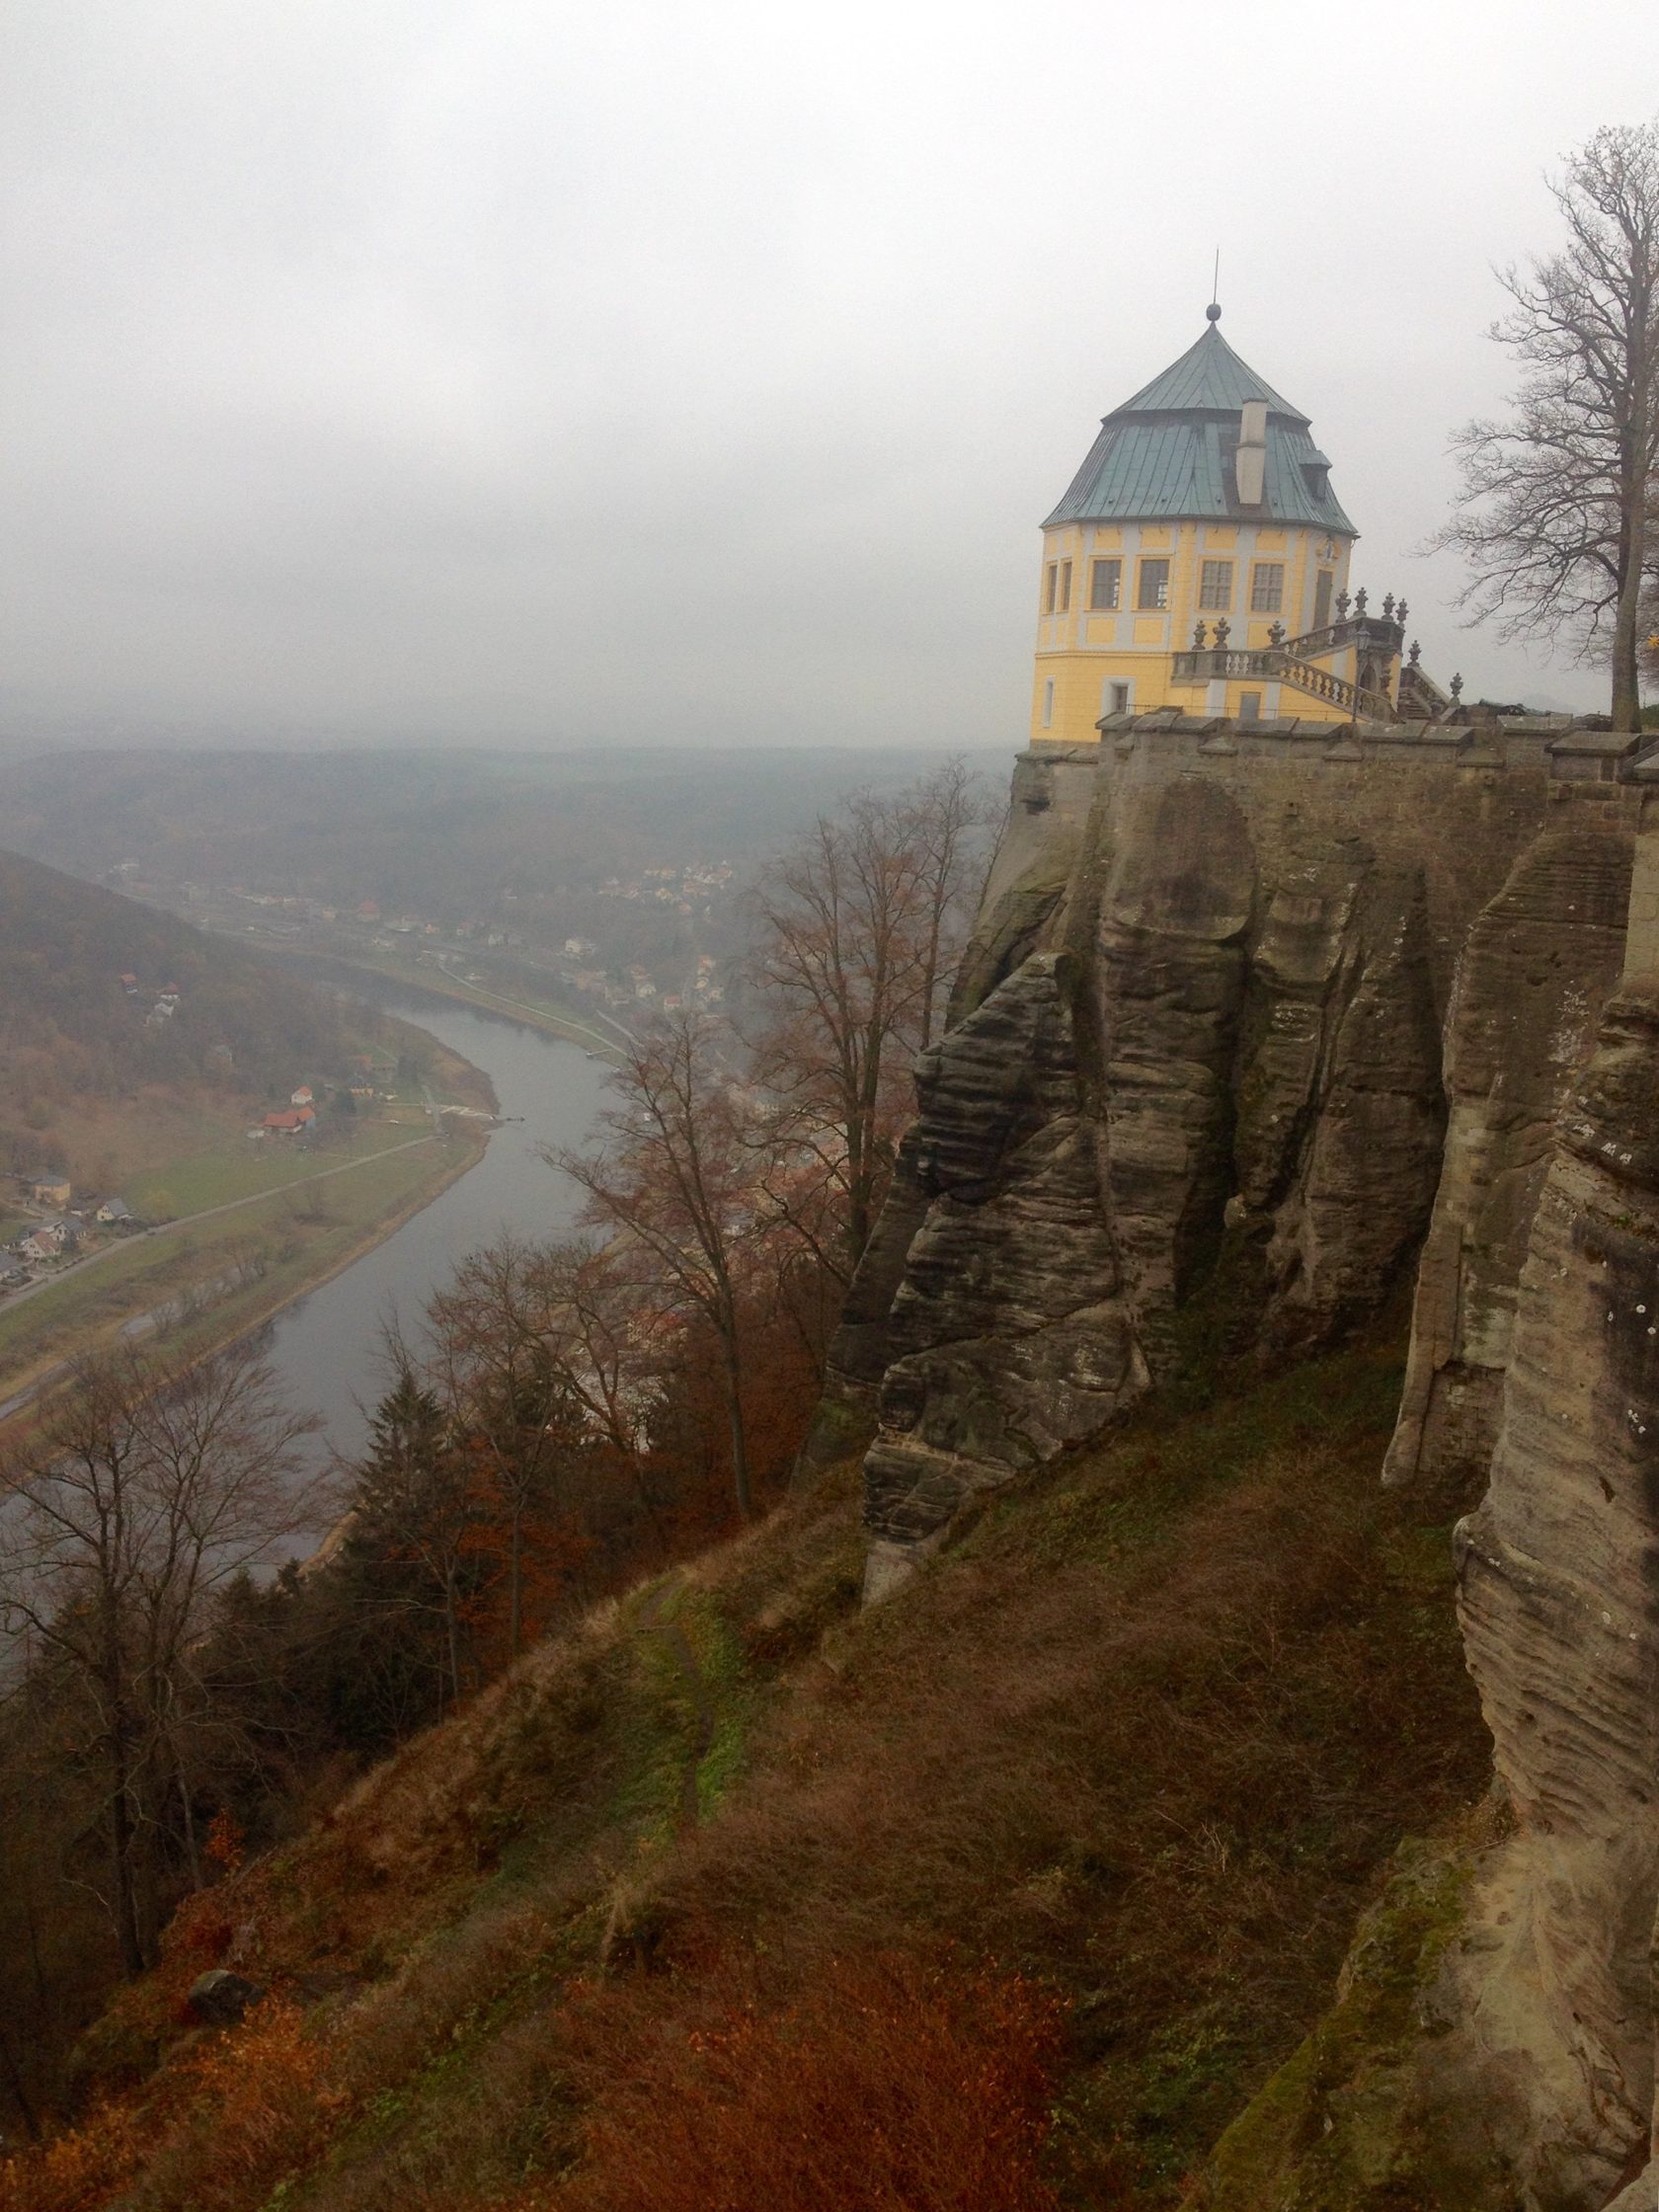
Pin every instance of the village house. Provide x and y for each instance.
(289, 1121)
(46, 1240)
(115, 1213)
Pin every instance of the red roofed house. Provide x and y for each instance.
(290, 1120)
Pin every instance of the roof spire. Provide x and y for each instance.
(1213, 313)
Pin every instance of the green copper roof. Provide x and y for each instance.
(1209, 374)
(1167, 453)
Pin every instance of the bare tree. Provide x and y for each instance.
(856, 937)
(945, 812)
(1647, 616)
(600, 1312)
(489, 1329)
(1556, 494)
(675, 1175)
(150, 1488)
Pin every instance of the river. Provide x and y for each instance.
(325, 1347)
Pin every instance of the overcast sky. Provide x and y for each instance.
(508, 370)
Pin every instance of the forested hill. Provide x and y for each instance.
(446, 834)
(83, 973)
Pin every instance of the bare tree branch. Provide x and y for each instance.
(1554, 513)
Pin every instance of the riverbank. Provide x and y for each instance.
(544, 1015)
(198, 1283)
(323, 1337)
(197, 1289)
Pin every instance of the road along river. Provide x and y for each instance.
(326, 1347)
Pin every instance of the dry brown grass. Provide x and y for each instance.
(892, 2084)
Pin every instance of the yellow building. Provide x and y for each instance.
(1200, 561)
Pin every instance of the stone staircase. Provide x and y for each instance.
(1295, 661)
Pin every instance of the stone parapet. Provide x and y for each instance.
(1555, 744)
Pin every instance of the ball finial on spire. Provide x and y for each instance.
(1213, 313)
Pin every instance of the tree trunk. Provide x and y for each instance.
(19, 2093)
(1627, 683)
(191, 1856)
(739, 1442)
(453, 1631)
(515, 1577)
(124, 1899)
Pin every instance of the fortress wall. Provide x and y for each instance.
(1458, 805)
(1641, 947)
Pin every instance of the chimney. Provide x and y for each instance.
(1250, 462)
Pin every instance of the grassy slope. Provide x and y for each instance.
(1148, 1734)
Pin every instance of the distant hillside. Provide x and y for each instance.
(441, 833)
(70, 1026)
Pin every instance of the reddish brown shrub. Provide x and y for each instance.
(79, 2170)
(891, 2084)
(261, 2102)
(240, 2112)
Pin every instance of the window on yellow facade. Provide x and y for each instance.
(1152, 592)
(1051, 582)
(1065, 587)
(1267, 588)
(1249, 706)
(1215, 585)
(1322, 597)
(1105, 585)
(1120, 698)
(1048, 704)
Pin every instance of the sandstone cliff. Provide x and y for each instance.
(1195, 1087)
(1503, 2057)
(1253, 1022)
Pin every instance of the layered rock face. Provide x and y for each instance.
(1196, 1067)
(1559, 1580)
(1206, 1066)
(1196, 1073)
(1523, 2080)
(1539, 962)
